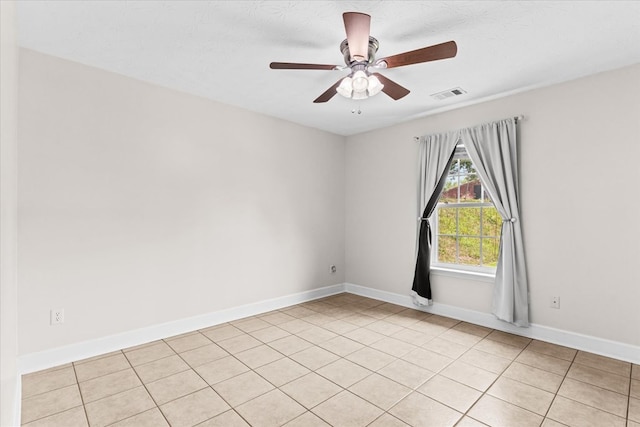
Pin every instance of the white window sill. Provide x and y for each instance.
(463, 274)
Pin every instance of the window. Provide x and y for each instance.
(466, 225)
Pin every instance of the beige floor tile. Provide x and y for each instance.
(376, 312)
(544, 380)
(226, 419)
(148, 354)
(108, 385)
(314, 357)
(599, 378)
(242, 388)
(150, 418)
(446, 347)
(379, 390)
(469, 375)
(370, 358)
(470, 328)
(298, 311)
(347, 410)
(394, 347)
(140, 346)
(290, 345)
(161, 368)
(427, 359)
(359, 319)
(343, 372)
(430, 329)
(384, 328)
(341, 346)
(460, 337)
(544, 362)
(447, 322)
(221, 369)
(282, 371)
(99, 367)
(308, 419)
(311, 389)
(419, 410)
(469, 422)
(276, 317)
(486, 361)
(270, 410)
(635, 389)
(251, 324)
(318, 319)
(268, 334)
(194, 408)
(451, 393)
(594, 396)
(188, 342)
(239, 343)
(498, 348)
(295, 326)
(554, 350)
(635, 372)
(258, 356)
(118, 407)
(634, 409)
(412, 337)
(548, 422)
(364, 336)
(175, 386)
(406, 373)
(221, 332)
(633, 424)
(575, 414)
(50, 403)
(607, 364)
(94, 358)
(41, 382)
(388, 420)
(510, 339)
(74, 417)
(496, 412)
(523, 395)
(202, 355)
(340, 326)
(316, 335)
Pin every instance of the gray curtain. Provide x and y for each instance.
(492, 148)
(436, 153)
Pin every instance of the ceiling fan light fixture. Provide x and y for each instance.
(375, 86)
(346, 88)
(360, 82)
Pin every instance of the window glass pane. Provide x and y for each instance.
(491, 222)
(447, 220)
(490, 249)
(450, 191)
(469, 221)
(447, 249)
(469, 250)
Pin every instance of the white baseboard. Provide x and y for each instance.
(601, 346)
(61, 355)
(58, 356)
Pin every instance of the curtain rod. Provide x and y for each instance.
(516, 118)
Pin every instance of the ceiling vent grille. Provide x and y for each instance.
(449, 93)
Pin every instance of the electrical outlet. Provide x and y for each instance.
(332, 269)
(57, 316)
(555, 302)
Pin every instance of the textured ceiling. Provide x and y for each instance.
(222, 49)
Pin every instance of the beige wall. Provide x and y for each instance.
(139, 205)
(580, 208)
(8, 215)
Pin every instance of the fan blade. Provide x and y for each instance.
(426, 54)
(357, 26)
(295, 66)
(391, 88)
(328, 94)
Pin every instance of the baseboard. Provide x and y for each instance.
(603, 347)
(59, 356)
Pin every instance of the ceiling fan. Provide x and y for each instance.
(359, 50)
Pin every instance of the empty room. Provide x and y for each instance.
(320, 213)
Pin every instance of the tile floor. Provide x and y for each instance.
(342, 361)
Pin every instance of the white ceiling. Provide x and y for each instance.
(222, 49)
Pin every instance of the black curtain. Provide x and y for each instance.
(421, 281)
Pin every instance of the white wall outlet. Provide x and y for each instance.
(332, 269)
(555, 302)
(57, 316)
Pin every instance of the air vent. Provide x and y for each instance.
(449, 93)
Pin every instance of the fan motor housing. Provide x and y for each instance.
(373, 48)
